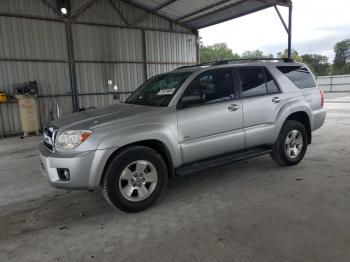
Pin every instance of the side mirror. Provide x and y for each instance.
(192, 99)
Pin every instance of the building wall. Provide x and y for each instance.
(72, 59)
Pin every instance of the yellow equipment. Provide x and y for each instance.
(28, 111)
(3, 97)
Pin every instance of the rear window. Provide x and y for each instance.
(299, 75)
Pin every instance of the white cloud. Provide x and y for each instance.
(317, 26)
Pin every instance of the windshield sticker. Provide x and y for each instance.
(168, 91)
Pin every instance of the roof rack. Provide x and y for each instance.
(227, 61)
(189, 66)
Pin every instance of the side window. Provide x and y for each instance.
(253, 82)
(272, 87)
(209, 87)
(299, 75)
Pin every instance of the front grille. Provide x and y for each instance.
(49, 136)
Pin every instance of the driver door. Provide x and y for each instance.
(210, 120)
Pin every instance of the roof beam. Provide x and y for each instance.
(157, 14)
(164, 5)
(286, 3)
(51, 6)
(63, 20)
(82, 8)
(153, 11)
(229, 18)
(281, 18)
(203, 9)
(271, 2)
(119, 12)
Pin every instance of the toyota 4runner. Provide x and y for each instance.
(183, 121)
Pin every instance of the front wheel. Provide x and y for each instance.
(135, 178)
(291, 145)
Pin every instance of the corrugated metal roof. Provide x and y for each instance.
(153, 4)
(202, 13)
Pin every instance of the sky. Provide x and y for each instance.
(317, 26)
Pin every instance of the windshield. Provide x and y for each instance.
(159, 90)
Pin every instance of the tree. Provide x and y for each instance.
(219, 51)
(342, 57)
(255, 54)
(317, 63)
(295, 55)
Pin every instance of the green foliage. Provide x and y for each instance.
(220, 51)
(342, 57)
(216, 52)
(255, 54)
(317, 63)
(295, 55)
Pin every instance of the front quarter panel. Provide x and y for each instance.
(139, 133)
(162, 128)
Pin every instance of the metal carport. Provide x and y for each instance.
(199, 14)
(72, 56)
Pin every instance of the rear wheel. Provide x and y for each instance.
(135, 178)
(291, 145)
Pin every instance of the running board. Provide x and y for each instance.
(221, 160)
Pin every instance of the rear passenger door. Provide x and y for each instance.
(210, 119)
(262, 100)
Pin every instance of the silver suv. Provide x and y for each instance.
(180, 122)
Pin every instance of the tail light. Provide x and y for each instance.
(322, 97)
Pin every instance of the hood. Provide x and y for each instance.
(93, 118)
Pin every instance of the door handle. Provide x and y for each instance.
(276, 99)
(233, 107)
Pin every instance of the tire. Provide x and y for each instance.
(283, 149)
(134, 179)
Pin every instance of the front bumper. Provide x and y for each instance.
(85, 168)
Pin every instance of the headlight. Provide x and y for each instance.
(70, 139)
